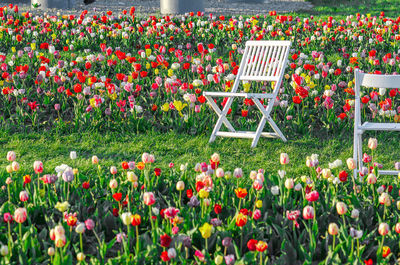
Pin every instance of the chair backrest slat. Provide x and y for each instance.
(261, 59)
(264, 60)
(254, 60)
(266, 63)
(282, 61)
(249, 60)
(275, 61)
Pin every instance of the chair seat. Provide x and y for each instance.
(385, 172)
(376, 126)
(246, 134)
(230, 94)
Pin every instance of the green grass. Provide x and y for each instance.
(112, 149)
(342, 8)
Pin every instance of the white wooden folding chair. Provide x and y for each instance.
(261, 61)
(370, 80)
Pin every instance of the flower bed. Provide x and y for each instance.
(115, 71)
(140, 213)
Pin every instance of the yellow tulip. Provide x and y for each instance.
(203, 194)
(170, 72)
(148, 66)
(156, 71)
(62, 206)
(179, 106)
(148, 52)
(13, 50)
(205, 230)
(33, 46)
(165, 107)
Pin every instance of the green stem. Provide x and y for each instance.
(333, 244)
(80, 241)
(137, 240)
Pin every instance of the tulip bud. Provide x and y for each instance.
(238, 173)
(80, 228)
(289, 184)
(218, 260)
(72, 155)
(113, 170)
(333, 229)
(259, 203)
(355, 213)
(180, 185)
(51, 251)
(383, 229)
(80, 256)
(15, 166)
(11, 156)
(23, 196)
(371, 179)
(215, 158)
(95, 160)
(341, 208)
(219, 172)
(171, 253)
(351, 164)
(9, 169)
(126, 218)
(131, 176)
(384, 198)
(326, 173)
(4, 250)
(60, 241)
(372, 143)
(308, 212)
(284, 159)
(113, 184)
(397, 228)
(275, 190)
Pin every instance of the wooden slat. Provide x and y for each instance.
(230, 94)
(243, 134)
(263, 53)
(250, 58)
(270, 70)
(266, 62)
(277, 70)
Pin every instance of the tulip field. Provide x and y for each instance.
(104, 154)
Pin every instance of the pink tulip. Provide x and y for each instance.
(20, 215)
(383, 229)
(308, 212)
(38, 167)
(284, 159)
(148, 198)
(257, 214)
(312, 196)
(11, 156)
(23, 196)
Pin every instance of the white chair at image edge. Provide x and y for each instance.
(261, 61)
(371, 80)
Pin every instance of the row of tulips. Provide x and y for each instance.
(138, 213)
(96, 72)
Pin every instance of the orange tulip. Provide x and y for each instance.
(241, 193)
(140, 165)
(261, 246)
(241, 220)
(136, 219)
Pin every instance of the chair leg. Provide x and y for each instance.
(360, 154)
(276, 129)
(258, 132)
(355, 152)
